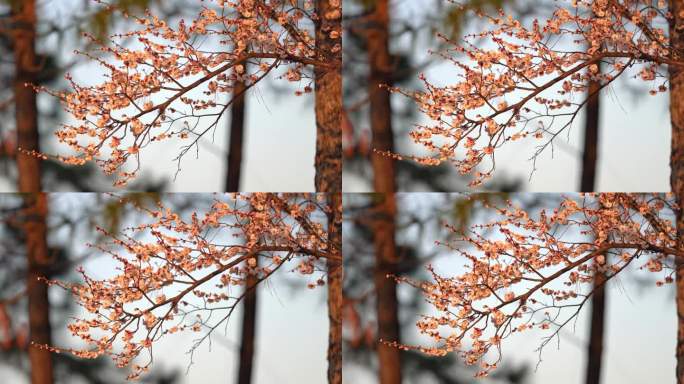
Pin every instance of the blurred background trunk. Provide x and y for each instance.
(39, 265)
(588, 184)
(381, 69)
(26, 111)
(237, 129)
(249, 323)
(29, 183)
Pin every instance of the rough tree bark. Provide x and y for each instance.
(249, 316)
(328, 97)
(29, 183)
(677, 163)
(335, 277)
(588, 184)
(328, 163)
(380, 62)
(237, 129)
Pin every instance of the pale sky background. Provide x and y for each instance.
(279, 145)
(641, 325)
(634, 143)
(292, 330)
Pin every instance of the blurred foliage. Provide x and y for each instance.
(455, 18)
(462, 209)
(102, 20)
(113, 210)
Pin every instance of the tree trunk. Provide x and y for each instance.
(26, 68)
(334, 269)
(595, 348)
(29, 183)
(249, 316)
(380, 61)
(677, 163)
(328, 98)
(38, 303)
(386, 260)
(588, 184)
(591, 139)
(237, 128)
